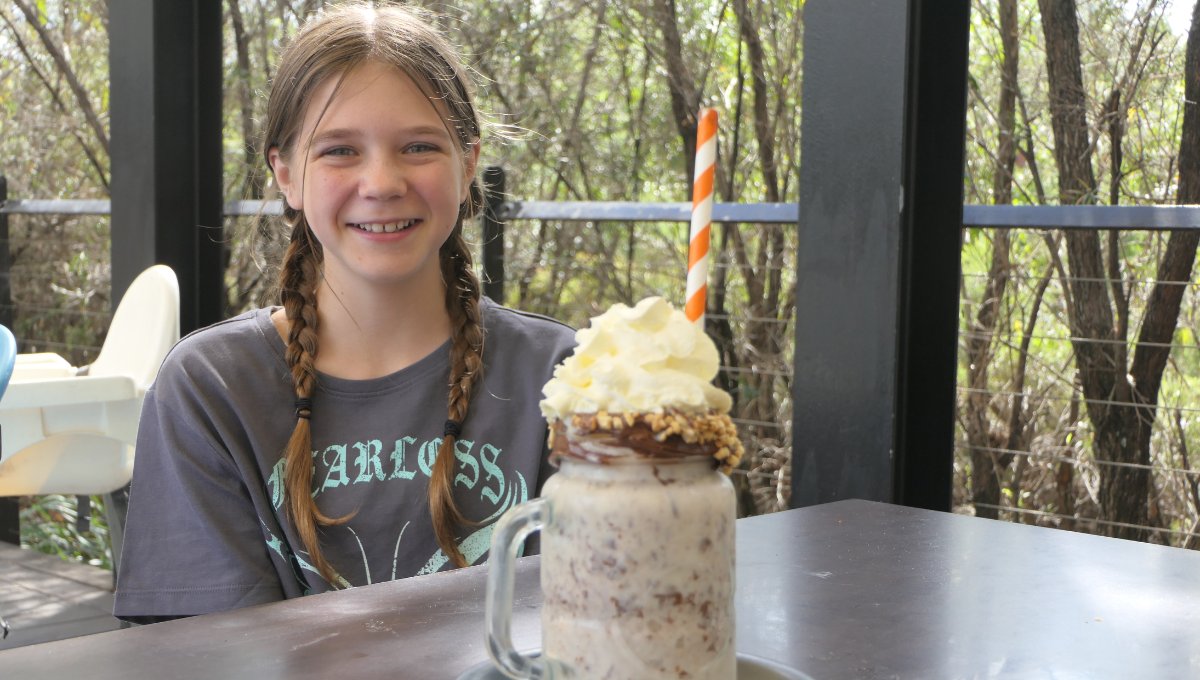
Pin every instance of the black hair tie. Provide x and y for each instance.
(303, 408)
(452, 428)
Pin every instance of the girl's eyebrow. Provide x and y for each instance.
(428, 130)
(335, 133)
(343, 133)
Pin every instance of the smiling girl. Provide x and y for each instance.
(376, 424)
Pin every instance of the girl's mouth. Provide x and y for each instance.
(385, 227)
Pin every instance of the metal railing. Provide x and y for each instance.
(1137, 218)
(501, 211)
(598, 211)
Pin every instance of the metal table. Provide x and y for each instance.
(846, 590)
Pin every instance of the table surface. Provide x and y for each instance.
(846, 590)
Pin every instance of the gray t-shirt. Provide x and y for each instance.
(208, 528)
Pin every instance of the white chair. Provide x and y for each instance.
(72, 431)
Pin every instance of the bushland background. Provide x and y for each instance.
(596, 100)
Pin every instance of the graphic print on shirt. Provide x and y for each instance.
(345, 465)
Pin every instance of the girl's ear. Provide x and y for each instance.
(283, 177)
(470, 161)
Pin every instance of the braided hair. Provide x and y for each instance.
(332, 44)
(466, 365)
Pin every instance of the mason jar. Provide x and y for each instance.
(637, 571)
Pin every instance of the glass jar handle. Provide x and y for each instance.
(511, 529)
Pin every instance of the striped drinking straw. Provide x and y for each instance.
(702, 203)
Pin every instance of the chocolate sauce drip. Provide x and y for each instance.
(639, 440)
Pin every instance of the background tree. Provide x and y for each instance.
(1110, 107)
(986, 460)
(1121, 433)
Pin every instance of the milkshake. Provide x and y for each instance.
(637, 525)
(638, 554)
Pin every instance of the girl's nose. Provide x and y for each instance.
(383, 179)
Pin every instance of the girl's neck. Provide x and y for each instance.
(371, 331)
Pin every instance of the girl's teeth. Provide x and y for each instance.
(386, 228)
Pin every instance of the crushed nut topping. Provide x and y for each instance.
(692, 428)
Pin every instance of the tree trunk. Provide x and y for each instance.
(1006, 155)
(253, 186)
(1129, 492)
(574, 139)
(1065, 474)
(717, 321)
(685, 101)
(1121, 433)
(762, 120)
(97, 165)
(764, 279)
(1175, 269)
(986, 465)
(1017, 441)
(82, 98)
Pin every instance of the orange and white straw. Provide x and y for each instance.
(702, 203)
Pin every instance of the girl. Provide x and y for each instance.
(377, 424)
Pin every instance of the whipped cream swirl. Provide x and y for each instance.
(642, 359)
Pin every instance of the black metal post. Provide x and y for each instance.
(165, 115)
(848, 255)
(878, 263)
(10, 516)
(493, 234)
(931, 247)
(10, 520)
(83, 514)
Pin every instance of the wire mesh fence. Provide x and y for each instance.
(569, 269)
(1036, 441)
(59, 281)
(1026, 448)
(574, 269)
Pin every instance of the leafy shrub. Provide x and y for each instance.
(48, 525)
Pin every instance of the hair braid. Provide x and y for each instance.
(466, 366)
(298, 282)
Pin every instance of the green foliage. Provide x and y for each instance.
(1108, 32)
(48, 525)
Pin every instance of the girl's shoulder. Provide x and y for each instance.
(225, 353)
(525, 330)
(249, 335)
(520, 351)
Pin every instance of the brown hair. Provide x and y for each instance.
(333, 44)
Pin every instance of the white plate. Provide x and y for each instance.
(748, 668)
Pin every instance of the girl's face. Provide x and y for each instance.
(381, 181)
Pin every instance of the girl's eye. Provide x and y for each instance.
(421, 147)
(338, 151)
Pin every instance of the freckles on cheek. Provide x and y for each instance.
(322, 193)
